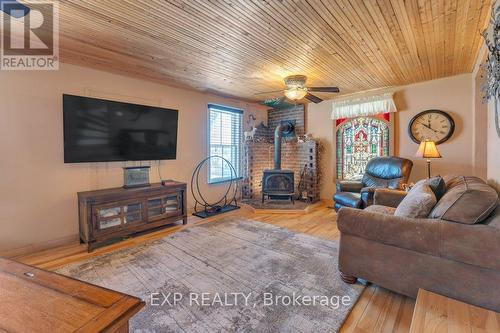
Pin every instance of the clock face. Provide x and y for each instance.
(433, 125)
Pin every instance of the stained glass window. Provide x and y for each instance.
(359, 140)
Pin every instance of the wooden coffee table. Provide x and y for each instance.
(436, 313)
(34, 300)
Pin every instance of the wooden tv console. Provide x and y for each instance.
(114, 213)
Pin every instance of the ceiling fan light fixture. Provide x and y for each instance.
(295, 89)
(296, 93)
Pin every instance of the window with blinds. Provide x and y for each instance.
(224, 141)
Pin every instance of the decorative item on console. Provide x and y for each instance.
(136, 176)
(491, 86)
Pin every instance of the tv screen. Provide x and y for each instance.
(97, 130)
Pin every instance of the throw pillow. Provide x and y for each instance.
(437, 185)
(418, 203)
(467, 200)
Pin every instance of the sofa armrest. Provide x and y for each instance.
(388, 197)
(474, 244)
(349, 186)
(421, 235)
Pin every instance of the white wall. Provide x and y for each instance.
(38, 193)
(453, 95)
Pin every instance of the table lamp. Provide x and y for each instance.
(428, 150)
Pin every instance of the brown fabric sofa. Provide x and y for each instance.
(455, 252)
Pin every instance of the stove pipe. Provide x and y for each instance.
(285, 127)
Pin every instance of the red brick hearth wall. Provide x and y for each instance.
(294, 156)
(295, 114)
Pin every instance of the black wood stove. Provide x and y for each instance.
(277, 183)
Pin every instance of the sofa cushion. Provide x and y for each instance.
(467, 200)
(418, 203)
(380, 209)
(437, 185)
(348, 199)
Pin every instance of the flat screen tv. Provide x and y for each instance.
(97, 130)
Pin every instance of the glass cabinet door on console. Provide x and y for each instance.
(112, 217)
(164, 206)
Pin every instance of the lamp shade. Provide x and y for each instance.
(428, 149)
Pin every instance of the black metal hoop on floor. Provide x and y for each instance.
(228, 202)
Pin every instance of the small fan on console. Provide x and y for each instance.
(295, 89)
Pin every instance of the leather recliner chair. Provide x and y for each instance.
(381, 172)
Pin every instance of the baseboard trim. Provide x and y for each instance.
(72, 239)
(38, 247)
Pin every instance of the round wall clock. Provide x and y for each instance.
(433, 125)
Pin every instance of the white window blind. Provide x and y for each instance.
(224, 141)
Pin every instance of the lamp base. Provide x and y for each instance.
(429, 168)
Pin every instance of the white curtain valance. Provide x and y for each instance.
(363, 106)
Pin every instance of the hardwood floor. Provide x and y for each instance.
(436, 313)
(377, 310)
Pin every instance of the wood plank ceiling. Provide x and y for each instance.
(243, 47)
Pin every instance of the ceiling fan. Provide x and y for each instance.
(295, 89)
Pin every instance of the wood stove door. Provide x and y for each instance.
(279, 183)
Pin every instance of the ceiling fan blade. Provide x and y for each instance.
(273, 100)
(277, 103)
(312, 98)
(324, 89)
(269, 92)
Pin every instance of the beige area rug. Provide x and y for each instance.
(234, 275)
